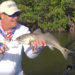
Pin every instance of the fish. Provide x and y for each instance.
(51, 41)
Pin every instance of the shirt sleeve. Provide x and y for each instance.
(29, 51)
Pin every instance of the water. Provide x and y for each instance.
(50, 62)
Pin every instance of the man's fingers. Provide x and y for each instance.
(35, 44)
(44, 42)
(1, 51)
(5, 47)
(39, 43)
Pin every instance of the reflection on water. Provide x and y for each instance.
(50, 62)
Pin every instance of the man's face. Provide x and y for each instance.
(9, 22)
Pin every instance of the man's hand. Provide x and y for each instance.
(3, 48)
(39, 44)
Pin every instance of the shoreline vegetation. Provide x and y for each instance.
(48, 15)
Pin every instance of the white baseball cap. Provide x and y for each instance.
(9, 7)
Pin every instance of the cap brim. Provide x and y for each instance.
(12, 12)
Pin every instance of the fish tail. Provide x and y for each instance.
(65, 52)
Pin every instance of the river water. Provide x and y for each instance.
(51, 62)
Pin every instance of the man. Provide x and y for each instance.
(10, 29)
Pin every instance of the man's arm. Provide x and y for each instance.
(34, 51)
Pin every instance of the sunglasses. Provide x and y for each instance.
(13, 15)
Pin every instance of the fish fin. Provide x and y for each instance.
(50, 46)
(65, 52)
(72, 53)
(51, 36)
(37, 31)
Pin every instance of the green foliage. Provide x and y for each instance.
(50, 14)
(73, 17)
(47, 13)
